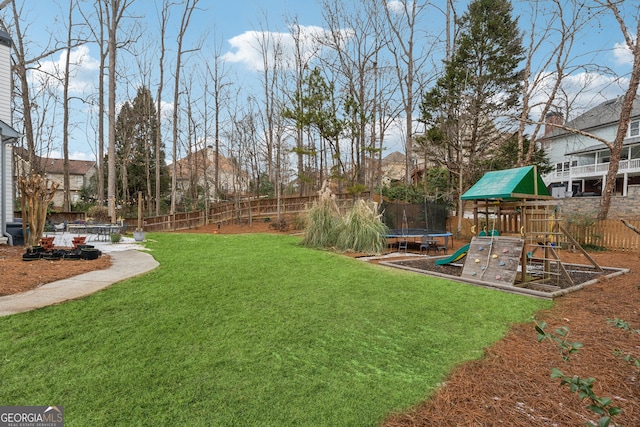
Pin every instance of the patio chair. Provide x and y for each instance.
(427, 244)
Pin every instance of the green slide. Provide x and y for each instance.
(460, 253)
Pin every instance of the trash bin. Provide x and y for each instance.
(15, 229)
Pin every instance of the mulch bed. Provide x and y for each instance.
(579, 274)
(511, 385)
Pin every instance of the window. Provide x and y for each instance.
(558, 167)
(634, 128)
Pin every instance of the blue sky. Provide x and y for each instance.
(236, 23)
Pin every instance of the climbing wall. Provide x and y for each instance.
(493, 259)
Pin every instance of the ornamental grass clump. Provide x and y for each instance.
(322, 222)
(362, 229)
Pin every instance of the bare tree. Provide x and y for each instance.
(97, 33)
(189, 7)
(270, 46)
(550, 40)
(113, 13)
(66, 204)
(356, 38)
(217, 74)
(24, 63)
(164, 18)
(403, 23)
(633, 43)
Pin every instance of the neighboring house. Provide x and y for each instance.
(8, 137)
(198, 169)
(582, 163)
(81, 173)
(393, 168)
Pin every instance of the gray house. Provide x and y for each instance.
(582, 163)
(8, 137)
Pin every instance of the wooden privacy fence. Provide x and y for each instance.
(237, 212)
(261, 209)
(610, 234)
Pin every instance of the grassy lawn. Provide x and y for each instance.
(250, 330)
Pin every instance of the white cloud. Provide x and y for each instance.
(396, 6)
(83, 71)
(249, 47)
(622, 54)
(74, 155)
(579, 92)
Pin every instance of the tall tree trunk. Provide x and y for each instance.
(186, 18)
(66, 202)
(625, 114)
(112, 12)
(163, 29)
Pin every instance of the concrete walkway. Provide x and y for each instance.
(124, 265)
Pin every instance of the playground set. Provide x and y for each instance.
(516, 248)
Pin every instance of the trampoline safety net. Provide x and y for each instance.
(429, 216)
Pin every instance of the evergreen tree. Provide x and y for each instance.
(478, 89)
(136, 133)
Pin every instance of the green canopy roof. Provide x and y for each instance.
(510, 184)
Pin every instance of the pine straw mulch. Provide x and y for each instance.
(18, 276)
(511, 384)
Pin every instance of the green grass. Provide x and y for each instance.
(250, 330)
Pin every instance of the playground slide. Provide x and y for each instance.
(460, 253)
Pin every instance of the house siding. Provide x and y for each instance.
(5, 116)
(7, 167)
(5, 82)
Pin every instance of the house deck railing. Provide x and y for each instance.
(595, 170)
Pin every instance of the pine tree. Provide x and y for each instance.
(478, 89)
(136, 132)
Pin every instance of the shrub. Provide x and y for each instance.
(99, 214)
(115, 237)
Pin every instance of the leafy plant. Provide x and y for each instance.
(627, 357)
(601, 406)
(584, 387)
(567, 348)
(115, 237)
(621, 324)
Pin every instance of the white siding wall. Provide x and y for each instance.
(5, 84)
(8, 190)
(561, 146)
(5, 116)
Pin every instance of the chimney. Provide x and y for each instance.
(552, 118)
